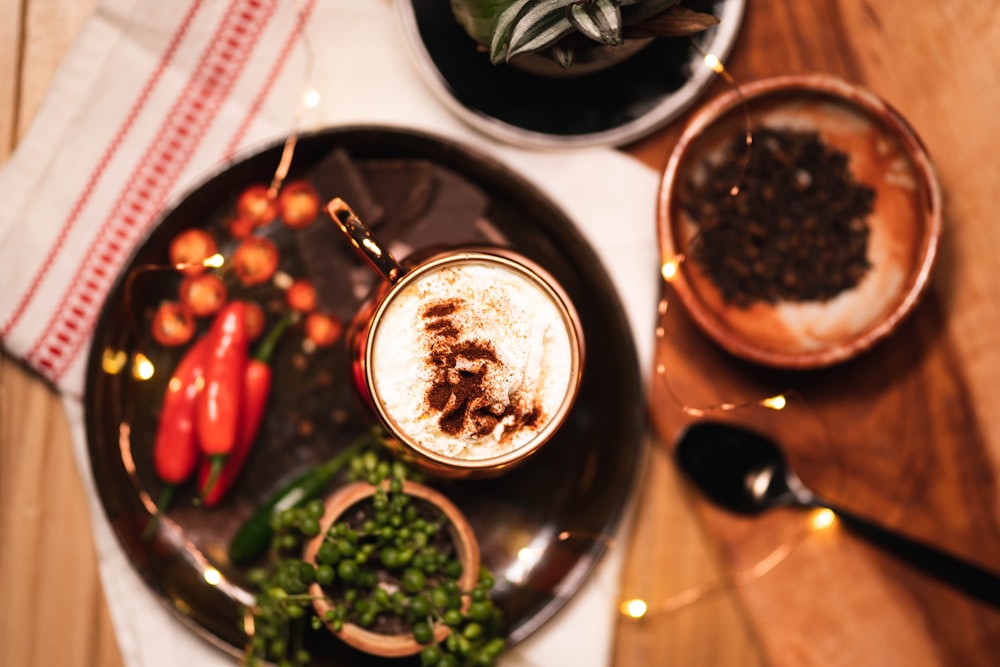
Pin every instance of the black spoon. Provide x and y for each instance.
(746, 473)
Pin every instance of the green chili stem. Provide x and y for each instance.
(266, 346)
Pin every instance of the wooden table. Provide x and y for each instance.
(915, 423)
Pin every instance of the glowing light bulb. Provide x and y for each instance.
(142, 367)
(775, 402)
(113, 361)
(634, 608)
(212, 576)
(713, 63)
(823, 518)
(311, 99)
(669, 268)
(214, 261)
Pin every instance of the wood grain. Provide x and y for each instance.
(10, 63)
(48, 30)
(908, 433)
(54, 611)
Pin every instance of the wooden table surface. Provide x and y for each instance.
(913, 426)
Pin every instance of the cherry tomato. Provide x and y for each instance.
(173, 324)
(322, 329)
(190, 248)
(301, 296)
(241, 227)
(203, 294)
(298, 204)
(255, 204)
(255, 319)
(255, 260)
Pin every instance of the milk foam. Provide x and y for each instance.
(472, 360)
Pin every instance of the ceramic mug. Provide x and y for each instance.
(471, 358)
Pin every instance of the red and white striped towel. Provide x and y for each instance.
(154, 95)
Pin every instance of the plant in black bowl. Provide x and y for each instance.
(576, 36)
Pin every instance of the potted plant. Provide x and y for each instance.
(389, 565)
(567, 37)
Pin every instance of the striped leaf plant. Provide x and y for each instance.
(508, 28)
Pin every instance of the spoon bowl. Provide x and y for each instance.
(739, 469)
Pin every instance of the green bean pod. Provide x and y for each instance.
(254, 536)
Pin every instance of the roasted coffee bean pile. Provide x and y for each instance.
(797, 229)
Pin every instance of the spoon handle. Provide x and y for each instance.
(963, 575)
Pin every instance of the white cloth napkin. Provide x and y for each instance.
(149, 100)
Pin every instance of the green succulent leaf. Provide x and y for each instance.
(562, 54)
(537, 24)
(502, 27)
(600, 20)
(524, 26)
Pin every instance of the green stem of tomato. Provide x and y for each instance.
(266, 346)
(218, 462)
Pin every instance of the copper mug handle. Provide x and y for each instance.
(361, 238)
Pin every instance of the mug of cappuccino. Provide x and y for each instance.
(471, 359)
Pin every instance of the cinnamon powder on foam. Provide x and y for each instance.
(478, 372)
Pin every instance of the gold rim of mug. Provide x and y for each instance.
(537, 275)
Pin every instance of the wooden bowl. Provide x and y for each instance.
(905, 225)
(466, 548)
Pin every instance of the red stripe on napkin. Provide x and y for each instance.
(270, 80)
(88, 189)
(212, 80)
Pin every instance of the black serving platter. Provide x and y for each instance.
(558, 509)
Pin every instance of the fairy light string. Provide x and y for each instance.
(713, 63)
(141, 368)
(641, 608)
(670, 267)
(309, 99)
(113, 361)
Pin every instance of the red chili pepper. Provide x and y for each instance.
(220, 402)
(256, 390)
(175, 451)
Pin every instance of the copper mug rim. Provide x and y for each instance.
(398, 277)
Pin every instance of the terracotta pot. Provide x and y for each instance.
(466, 550)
